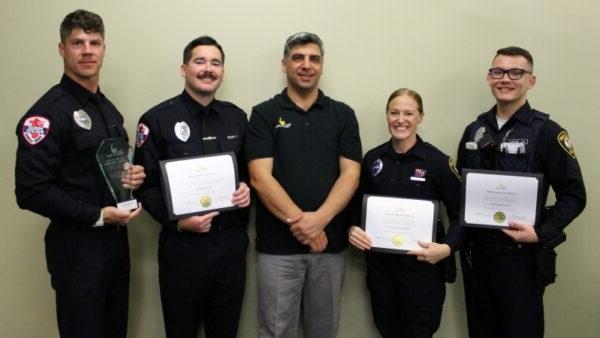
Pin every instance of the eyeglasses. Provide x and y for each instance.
(513, 73)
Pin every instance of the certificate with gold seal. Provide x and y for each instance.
(396, 224)
(491, 199)
(199, 184)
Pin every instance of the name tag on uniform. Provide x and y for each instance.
(471, 145)
(513, 148)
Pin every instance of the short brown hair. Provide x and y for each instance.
(515, 51)
(88, 21)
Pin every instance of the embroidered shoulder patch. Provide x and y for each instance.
(141, 135)
(35, 129)
(565, 142)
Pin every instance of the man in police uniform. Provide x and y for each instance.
(202, 259)
(57, 176)
(304, 158)
(506, 271)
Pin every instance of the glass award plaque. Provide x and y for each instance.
(112, 155)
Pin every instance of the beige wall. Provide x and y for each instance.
(440, 48)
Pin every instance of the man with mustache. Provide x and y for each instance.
(57, 176)
(304, 156)
(506, 271)
(202, 258)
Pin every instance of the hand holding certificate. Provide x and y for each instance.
(197, 185)
(398, 224)
(491, 199)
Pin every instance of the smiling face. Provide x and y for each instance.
(403, 117)
(505, 90)
(303, 67)
(82, 55)
(204, 71)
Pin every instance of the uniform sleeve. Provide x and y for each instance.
(562, 172)
(448, 185)
(349, 145)
(38, 168)
(260, 139)
(149, 150)
(461, 152)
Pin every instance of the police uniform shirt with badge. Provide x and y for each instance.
(179, 128)
(528, 142)
(56, 172)
(423, 172)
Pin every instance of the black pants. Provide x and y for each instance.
(406, 295)
(202, 280)
(89, 271)
(502, 298)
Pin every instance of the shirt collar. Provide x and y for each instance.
(81, 94)
(418, 150)
(287, 103)
(196, 108)
(523, 115)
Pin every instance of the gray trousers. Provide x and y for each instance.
(289, 284)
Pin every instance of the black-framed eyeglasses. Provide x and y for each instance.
(513, 73)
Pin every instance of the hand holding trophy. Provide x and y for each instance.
(114, 156)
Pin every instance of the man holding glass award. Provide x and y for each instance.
(509, 157)
(191, 148)
(72, 168)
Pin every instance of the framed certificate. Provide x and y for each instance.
(490, 199)
(397, 224)
(197, 185)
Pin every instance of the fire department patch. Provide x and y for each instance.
(35, 129)
(565, 143)
(142, 134)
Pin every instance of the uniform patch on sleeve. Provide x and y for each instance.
(35, 129)
(453, 168)
(565, 142)
(142, 134)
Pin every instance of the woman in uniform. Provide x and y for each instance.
(408, 290)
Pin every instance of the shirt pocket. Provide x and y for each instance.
(231, 143)
(180, 149)
(86, 145)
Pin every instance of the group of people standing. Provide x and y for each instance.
(301, 154)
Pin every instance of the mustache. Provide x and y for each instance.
(207, 74)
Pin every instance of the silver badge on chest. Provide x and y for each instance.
(82, 119)
(182, 131)
(376, 167)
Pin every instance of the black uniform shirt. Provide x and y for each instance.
(56, 173)
(423, 172)
(528, 142)
(305, 147)
(180, 127)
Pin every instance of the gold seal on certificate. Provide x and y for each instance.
(205, 201)
(397, 240)
(491, 199)
(396, 225)
(200, 184)
(499, 217)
